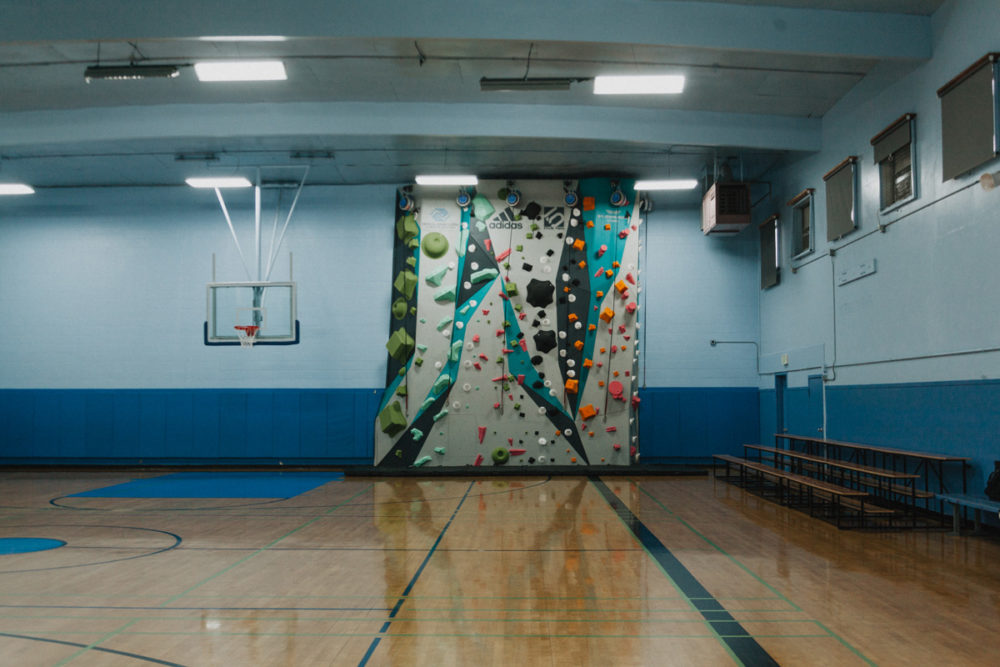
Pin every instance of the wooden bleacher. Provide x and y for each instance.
(855, 481)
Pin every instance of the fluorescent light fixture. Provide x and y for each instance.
(219, 182)
(130, 72)
(447, 180)
(515, 85)
(661, 84)
(241, 70)
(673, 184)
(16, 189)
(243, 38)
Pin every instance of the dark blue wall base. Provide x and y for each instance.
(300, 426)
(689, 424)
(187, 426)
(960, 418)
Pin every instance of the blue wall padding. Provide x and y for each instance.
(332, 426)
(217, 485)
(695, 422)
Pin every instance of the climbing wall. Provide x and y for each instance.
(514, 329)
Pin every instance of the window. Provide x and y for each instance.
(769, 252)
(841, 209)
(802, 223)
(969, 118)
(893, 148)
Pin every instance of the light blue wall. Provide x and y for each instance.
(105, 288)
(926, 322)
(697, 288)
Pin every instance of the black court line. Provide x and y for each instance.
(413, 581)
(144, 658)
(744, 647)
(162, 608)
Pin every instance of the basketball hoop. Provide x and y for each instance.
(247, 334)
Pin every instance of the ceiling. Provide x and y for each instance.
(390, 93)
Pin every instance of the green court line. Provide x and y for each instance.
(748, 570)
(94, 643)
(264, 548)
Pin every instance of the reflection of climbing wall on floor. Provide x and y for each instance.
(513, 335)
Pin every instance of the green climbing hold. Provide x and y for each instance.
(435, 245)
(401, 390)
(421, 461)
(441, 414)
(483, 275)
(419, 361)
(456, 351)
(442, 383)
(482, 207)
(400, 345)
(411, 262)
(406, 228)
(417, 434)
(437, 277)
(405, 283)
(439, 450)
(445, 295)
(443, 324)
(399, 308)
(392, 420)
(500, 456)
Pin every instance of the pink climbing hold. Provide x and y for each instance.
(517, 452)
(478, 461)
(489, 245)
(623, 233)
(599, 271)
(522, 316)
(499, 332)
(500, 378)
(486, 311)
(632, 450)
(617, 447)
(483, 357)
(603, 249)
(475, 339)
(496, 406)
(524, 344)
(630, 308)
(477, 366)
(621, 328)
(628, 277)
(611, 429)
(616, 390)
(635, 401)
(520, 379)
(504, 255)
(482, 434)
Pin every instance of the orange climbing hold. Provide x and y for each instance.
(572, 386)
(587, 412)
(588, 204)
(607, 314)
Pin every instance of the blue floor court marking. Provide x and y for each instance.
(217, 485)
(743, 646)
(25, 545)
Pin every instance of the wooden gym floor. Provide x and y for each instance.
(503, 571)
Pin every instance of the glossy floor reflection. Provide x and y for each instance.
(534, 571)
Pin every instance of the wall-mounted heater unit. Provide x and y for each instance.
(725, 209)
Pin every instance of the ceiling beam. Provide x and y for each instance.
(23, 130)
(682, 24)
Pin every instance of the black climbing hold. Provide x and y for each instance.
(532, 210)
(550, 252)
(545, 341)
(537, 359)
(526, 267)
(539, 293)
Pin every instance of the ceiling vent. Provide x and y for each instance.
(725, 208)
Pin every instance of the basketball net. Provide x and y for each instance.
(247, 334)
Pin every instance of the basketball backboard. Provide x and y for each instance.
(268, 305)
